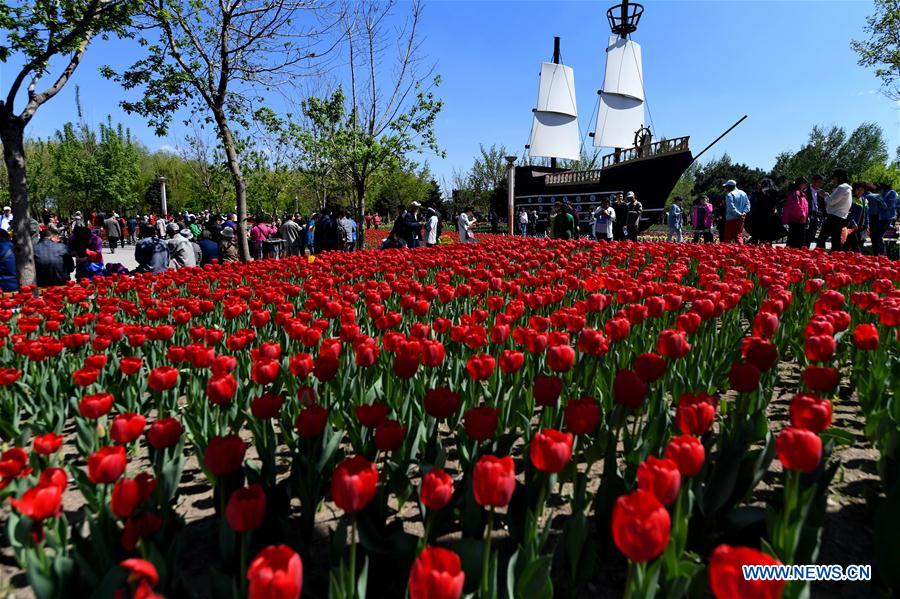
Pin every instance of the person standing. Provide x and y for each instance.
(431, 227)
(494, 220)
(737, 206)
(795, 214)
(53, 264)
(604, 220)
(291, 232)
(882, 212)
(260, 232)
(702, 220)
(412, 227)
(675, 221)
(465, 225)
(9, 274)
(621, 210)
(837, 207)
(228, 251)
(522, 219)
(857, 218)
(113, 229)
(815, 206)
(376, 220)
(209, 249)
(132, 228)
(6, 219)
(346, 228)
(563, 223)
(181, 250)
(635, 210)
(150, 252)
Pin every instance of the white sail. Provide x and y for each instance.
(624, 70)
(618, 119)
(554, 132)
(620, 112)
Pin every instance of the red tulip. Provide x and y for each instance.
(276, 573)
(246, 509)
(547, 390)
(865, 336)
(744, 377)
(560, 358)
(592, 342)
(436, 574)
(224, 455)
(95, 406)
(688, 452)
(220, 389)
(162, 378)
(582, 415)
(106, 465)
(649, 367)
(144, 573)
(127, 427)
(8, 376)
(660, 477)
(810, 412)
(389, 435)
(265, 370)
(85, 376)
(441, 403)
(311, 422)
(799, 449)
(481, 422)
(820, 348)
(550, 450)
(726, 575)
(266, 406)
(371, 415)
(511, 361)
(823, 379)
(672, 344)
(436, 490)
(494, 480)
(39, 502)
(164, 433)
(762, 353)
(129, 366)
(301, 365)
(629, 390)
(130, 493)
(640, 526)
(480, 366)
(54, 476)
(764, 324)
(47, 444)
(354, 483)
(695, 413)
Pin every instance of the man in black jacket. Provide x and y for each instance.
(53, 263)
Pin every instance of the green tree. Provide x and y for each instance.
(217, 58)
(882, 49)
(37, 32)
(710, 176)
(827, 149)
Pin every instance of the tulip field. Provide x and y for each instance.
(510, 418)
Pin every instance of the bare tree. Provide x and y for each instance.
(219, 56)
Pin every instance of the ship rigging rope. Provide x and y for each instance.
(594, 115)
(643, 89)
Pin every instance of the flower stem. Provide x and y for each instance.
(486, 555)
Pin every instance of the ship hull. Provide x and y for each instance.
(651, 179)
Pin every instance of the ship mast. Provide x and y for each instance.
(555, 61)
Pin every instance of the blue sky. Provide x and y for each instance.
(788, 65)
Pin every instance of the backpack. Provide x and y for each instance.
(343, 234)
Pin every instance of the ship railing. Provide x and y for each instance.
(572, 177)
(657, 148)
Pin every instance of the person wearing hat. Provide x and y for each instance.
(604, 220)
(465, 226)
(6, 219)
(53, 264)
(209, 249)
(181, 250)
(412, 226)
(113, 231)
(737, 206)
(77, 221)
(150, 252)
(195, 247)
(228, 251)
(633, 217)
(837, 207)
(432, 221)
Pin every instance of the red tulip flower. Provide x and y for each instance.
(265, 370)
(762, 353)
(810, 412)
(311, 422)
(164, 433)
(276, 573)
(246, 509)
(640, 526)
(389, 435)
(744, 377)
(436, 574)
(220, 389)
(494, 480)
(354, 483)
(547, 390)
(688, 453)
(441, 403)
(130, 365)
(371, 415)
(550, 450)
(650, 367)
(481, 422)
(480, 366)
(511, 361)
(127, 427)
(820, 348)
(96, 406)
(629, 390)
(85, 376)
(436, 490)
(823, 379)
(560, 358)
(865, 336)
(672, 344)
(106, 465)
(47, 444)
(695, 412)
(266, 406)
(799, 449)
(162, 378)
(726, 575)
(224, 454)
(660, 477)
(39, 502)
(130, 493)
(582, 416)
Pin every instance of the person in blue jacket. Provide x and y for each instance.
(882, 212)
(9, 274)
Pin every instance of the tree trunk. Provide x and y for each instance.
(240, 187)
(360, 214)
(12, 134)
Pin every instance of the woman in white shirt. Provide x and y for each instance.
(465, 225)
(604, 217)
(431, 226)
(837, 207)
